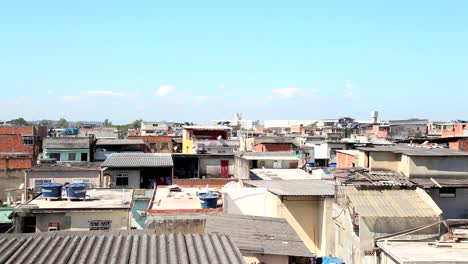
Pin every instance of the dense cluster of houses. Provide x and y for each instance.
(285, 191)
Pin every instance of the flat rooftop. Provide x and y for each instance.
(98, 199)
(185, 201)
(281, 174)
(416, 151)
(406, 252)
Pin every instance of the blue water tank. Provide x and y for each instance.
(209, 200)
(76, 190)
(52, 190)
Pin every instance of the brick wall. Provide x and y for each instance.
(345, 160)
(266, 147)
(11, 141)
(154, 144)
(461, 145)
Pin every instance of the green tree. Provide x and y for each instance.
(107, 122)
(136, 124)
(62, 123)
(79, 124)
(20, 122)
(46, 123)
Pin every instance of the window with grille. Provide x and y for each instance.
(121, 179)
(71, 156)
(96, 225)
(28, 140)
(38, 183)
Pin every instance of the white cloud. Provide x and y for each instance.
(164, 90)
(104, 92)
(349, 94)
(349, 85)
(70, 98)
(282, 93)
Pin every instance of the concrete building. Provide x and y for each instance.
(105, 209)
(155, 127)
(325, 153)
(246, 161)
(260, 239)
(105, 147)
(157, 144)
(305, 204)
(19, 150)
(99, 132)
(137, 170)
(410, 252)
(286, 123)
(195, 138)
(270, 144)
(443, 173)
(68, 148)
(190, 165)
(361, 216)
(347, 158)
(63, 172)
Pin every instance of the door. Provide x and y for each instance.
(84, 156)
(224, 168)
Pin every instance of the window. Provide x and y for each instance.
(38, 183)
(100, 225)
(54, 226)
(84, 156)
(165, 146)
(85, 181)
(277, 164)
(55, 156)
(155, 125)
(28, 140)
(121, 179)
(71, 156)
(447, 192)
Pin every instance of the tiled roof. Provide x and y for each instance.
(66, 143)
(135, 160)
(118, 247)
(296, 187)
(258, 235)
(389, 203)
(108, 142)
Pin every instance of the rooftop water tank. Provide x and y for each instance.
(209, 200)
(76, 190)
(52, 190)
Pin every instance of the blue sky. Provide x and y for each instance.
(204, 60)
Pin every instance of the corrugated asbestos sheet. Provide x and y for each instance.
(416, 151)
(107, 142)
(129, 160)
(389, 203)
(259, 235)
(118, 247)
(296, 187)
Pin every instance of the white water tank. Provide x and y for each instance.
(375, 116)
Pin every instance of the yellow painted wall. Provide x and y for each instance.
(187, 141)
(305, 215)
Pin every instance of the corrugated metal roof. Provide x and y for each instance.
(389, 203)
(118, 247)
(297, 187)
(259, 235)
(435, 182)
(66, 143)
(416, 151)
(108, 142)
(132, 160)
